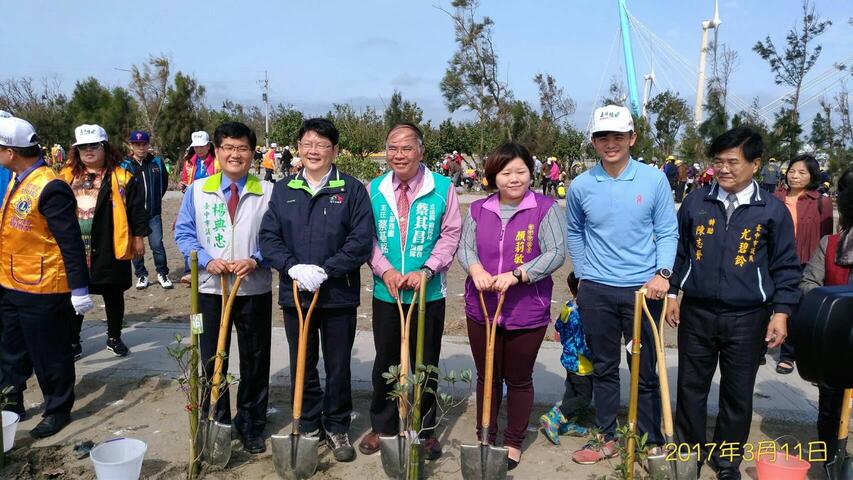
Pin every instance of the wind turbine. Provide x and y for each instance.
(714, 23)
(648, 83)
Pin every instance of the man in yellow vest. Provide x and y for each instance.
(43, 277)
(270, 163)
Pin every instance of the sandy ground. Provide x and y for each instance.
(153, 410)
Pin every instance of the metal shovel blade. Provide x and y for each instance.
(483, 462)
(218, 443)
(840, 468)
(394, 453)
(659, 467)
(294, 456)
(687, 468)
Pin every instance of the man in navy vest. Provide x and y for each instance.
(418, 225)
(152, 175)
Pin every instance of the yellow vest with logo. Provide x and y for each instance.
(30, 259)
(122, 236)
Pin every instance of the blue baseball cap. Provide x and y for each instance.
(138, 136)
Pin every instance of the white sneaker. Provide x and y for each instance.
(142, 283)
(164, 281)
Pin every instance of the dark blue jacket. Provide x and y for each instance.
(332, 229)
(749, 263)
(153, 178)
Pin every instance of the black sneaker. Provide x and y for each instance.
(339, 445)
(118, 347)
(77, 349)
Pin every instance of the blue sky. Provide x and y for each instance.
(336, 51)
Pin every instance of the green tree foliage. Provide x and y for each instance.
(362, 133)
(115, 109)
(670, 113)
(472, 80)
(180, 116)
(42, 104)
(234, 112)
(284, 124)
(790, 67)
(150, 85)
(400, 111)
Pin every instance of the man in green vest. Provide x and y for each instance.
(417, 228)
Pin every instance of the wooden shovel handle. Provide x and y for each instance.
(663, 377)
(488, 378)
(224, 328)
(405, 322)
(844, 425)
(301, 354)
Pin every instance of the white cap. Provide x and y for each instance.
(612, 118)
(17, 132)
(5, 114)
(273, 145)
(200, 139)
(89, 134)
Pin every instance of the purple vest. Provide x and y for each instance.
(526, 305)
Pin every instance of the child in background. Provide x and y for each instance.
(562, 418)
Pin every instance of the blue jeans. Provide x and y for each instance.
(155, 241)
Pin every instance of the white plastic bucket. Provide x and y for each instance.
(10, 426)
(118, 459)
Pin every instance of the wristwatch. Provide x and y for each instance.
(664, 272)
(517, 274)
(429, 272)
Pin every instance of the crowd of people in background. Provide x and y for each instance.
(71, 232)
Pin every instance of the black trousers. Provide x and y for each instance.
(36, 337)
(251, 316)
(268, 174)
(334, 330)
(577, 394)
(707, 335)
(607, 314)
(114, 305)
(384, 417)
(828, 415)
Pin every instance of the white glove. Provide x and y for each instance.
(318, 276)
(82, 303)
(302, 275)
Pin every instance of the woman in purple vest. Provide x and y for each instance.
(511, 242)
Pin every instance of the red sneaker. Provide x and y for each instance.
(595, 451)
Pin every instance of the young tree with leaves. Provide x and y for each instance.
(472, 78)
(399, 111)
(790, 67)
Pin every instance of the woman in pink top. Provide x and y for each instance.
(812, 214)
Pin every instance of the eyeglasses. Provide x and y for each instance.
(322, 147)
(731, 164)
(408, 149)
(90, 147)
(232, 149)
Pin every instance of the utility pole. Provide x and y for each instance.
(266, 97)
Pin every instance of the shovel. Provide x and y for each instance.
(682, 468)
(484, 461)
(218, 435)
(633, 393)
(840, 468)
(393, 449)
(295, 456)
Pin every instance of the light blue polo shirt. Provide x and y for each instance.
(621, 230)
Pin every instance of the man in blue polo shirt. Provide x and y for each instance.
(622, 236)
